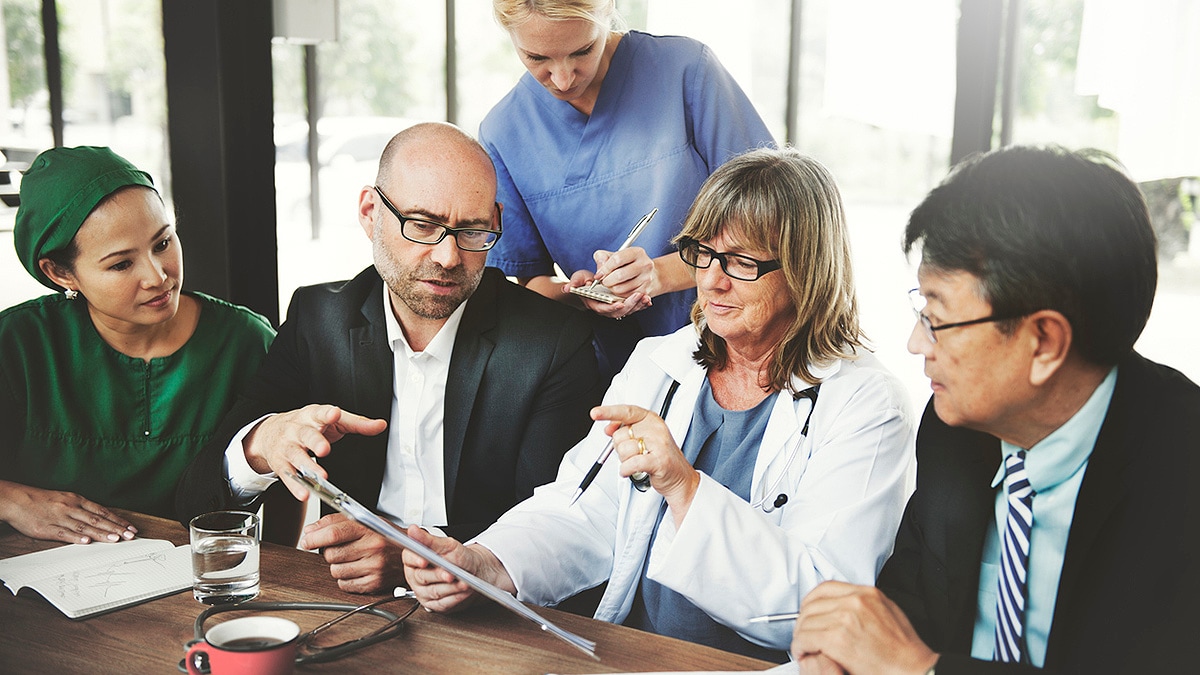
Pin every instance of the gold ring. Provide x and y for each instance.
(631, 434)
(642, 446)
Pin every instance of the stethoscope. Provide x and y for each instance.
(780, 499)
(308, 652)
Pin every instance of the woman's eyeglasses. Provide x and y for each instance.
(736, 265)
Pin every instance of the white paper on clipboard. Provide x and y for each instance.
(335, 497)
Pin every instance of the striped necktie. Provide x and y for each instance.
(1014, 560)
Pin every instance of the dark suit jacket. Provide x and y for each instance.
(1126, 599)
(522, 379)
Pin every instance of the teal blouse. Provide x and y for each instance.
(77, 415)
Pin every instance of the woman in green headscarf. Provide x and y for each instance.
(108, 388)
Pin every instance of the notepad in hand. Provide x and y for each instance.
(83, 580)
(600, 293)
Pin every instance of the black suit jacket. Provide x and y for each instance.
(522, 379)
(1127, 597)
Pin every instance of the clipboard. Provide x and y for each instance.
(336, 498)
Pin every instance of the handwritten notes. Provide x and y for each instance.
(83, 580)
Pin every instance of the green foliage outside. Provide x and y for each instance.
(26, 63)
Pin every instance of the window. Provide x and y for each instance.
(114, 94)
(385, 72)
(1137, 102)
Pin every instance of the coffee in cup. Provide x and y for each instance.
(251, 645)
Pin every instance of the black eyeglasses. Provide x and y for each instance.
(737, 266)
(429, 232)
(918, 305)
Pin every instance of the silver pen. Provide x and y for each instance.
(772, 618)
(633, 235)
(591, 474)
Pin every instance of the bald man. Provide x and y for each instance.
(428, 385)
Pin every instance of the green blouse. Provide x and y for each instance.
(77, 415)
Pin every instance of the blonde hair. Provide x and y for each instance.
(780, 201)
(512, 13)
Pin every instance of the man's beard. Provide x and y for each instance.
(404, 282)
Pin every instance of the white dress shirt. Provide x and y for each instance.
(414, 487)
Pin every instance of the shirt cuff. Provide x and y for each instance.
(244, 482)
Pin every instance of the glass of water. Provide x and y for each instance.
(225, 547)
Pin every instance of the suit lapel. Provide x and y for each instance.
(1102, 492)
(472, 350)
(964, 554)
(960, 464)
(371, 359)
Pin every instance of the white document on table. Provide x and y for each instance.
(82, 580)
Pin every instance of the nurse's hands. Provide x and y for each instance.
(644, 443)
(633, 275)
(635, 301)
(60, 516)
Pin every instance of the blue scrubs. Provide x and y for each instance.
(668, 114)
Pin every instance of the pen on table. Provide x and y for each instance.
(633, 235)
(592, 472)
(771, 618)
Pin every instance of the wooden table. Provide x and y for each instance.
(149, 638)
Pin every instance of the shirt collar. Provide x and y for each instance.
(442, 344)
(1058, 456)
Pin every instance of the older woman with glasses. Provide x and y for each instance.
(769, 451)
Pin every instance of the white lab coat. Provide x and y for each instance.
(846, 486)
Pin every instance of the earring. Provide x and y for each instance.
(71, 293)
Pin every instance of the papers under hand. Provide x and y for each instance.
(330, 494)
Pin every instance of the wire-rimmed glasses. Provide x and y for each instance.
(931, 331)
(736, 265)
(421, 231)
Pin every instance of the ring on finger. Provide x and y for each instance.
(631, 434)
(642, 446)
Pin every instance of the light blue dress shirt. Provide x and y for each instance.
(1055, 466)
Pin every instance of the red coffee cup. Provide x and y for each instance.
(251, 645)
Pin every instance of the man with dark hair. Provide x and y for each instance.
(1054, 524)
(428, 386)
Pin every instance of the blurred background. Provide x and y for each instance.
(886, 94)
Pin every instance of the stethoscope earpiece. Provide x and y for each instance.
(780, 500)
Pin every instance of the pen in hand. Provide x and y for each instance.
(591, 474)
(633, 235)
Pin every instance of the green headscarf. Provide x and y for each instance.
(58, 192)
